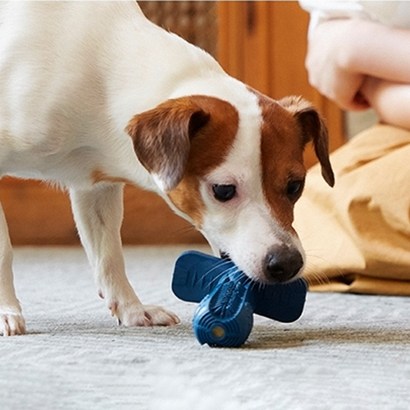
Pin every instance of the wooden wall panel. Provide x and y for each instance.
(38, 214)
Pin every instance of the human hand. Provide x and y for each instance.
(390, 100)
(328, 63)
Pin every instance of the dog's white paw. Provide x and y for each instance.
(136, 314)
(11, 323)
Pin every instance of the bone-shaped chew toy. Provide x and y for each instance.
(228, 298)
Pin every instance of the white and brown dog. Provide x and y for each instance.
(93, 96)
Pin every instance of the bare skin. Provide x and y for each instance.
(361, 64)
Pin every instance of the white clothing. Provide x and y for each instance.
(391, 13)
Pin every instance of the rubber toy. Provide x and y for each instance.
(228, 298)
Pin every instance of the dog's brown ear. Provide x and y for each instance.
(162, 138)
(313, 129)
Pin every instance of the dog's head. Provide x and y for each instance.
(234, 174)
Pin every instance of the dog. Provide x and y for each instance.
(94, 96)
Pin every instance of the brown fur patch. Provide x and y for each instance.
(281, 157)
(208, 149)
(313, 129)
(100, 176)
(163, 134)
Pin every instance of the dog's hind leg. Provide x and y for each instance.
(98, 214)
(11, 318)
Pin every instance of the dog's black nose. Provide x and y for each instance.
(282, 263)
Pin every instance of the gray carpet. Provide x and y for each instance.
(346, 352)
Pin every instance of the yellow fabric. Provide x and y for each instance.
(357, 234)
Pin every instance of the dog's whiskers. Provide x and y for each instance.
(218, 266)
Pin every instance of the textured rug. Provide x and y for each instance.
(346, 351)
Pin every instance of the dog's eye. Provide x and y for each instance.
(294, 189)
(224, 193)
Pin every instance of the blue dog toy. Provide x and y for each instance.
(228, 298)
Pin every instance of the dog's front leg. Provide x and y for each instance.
(11, 318)
(98, 214)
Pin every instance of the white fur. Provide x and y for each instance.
(72, 75)
(243, 227)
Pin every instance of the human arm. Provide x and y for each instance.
(361, 64)
(342, 53)
(390, 100)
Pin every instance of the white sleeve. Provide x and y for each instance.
(322, 10)
(390, 13)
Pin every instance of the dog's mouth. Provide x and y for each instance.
(224, 255)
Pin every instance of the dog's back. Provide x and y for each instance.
(74, 73)
(50, 85)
